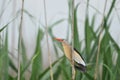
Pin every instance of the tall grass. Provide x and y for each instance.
(101, 54)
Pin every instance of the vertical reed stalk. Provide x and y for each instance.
(72, 36)
(99, 43)
(1, 13)
(46, 31)
(13, 27)
(20, 39)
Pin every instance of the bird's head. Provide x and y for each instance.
(59, 39)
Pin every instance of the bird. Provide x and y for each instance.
(78, 60)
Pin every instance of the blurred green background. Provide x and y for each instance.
(96, 37)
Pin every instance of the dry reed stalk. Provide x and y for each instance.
(20, 39)
(46, 31)
(99, 42)
(72, 37)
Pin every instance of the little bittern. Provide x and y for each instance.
(78, 60)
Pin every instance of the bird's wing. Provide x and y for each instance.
(78, 58)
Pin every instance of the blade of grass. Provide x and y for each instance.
(41, 75)
(110, 71)
(89, 76)
(57, 73)
(5, 26)
(87, 43)
(76, 34)
(37, 59)
(23, 56)
(117, 48)
(106, 51)
(66, 71)
(56, 23)
(6, 59)
(111, 8)
(12, 66)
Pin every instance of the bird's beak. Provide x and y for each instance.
(58, 39)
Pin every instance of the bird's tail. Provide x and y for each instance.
(80, 67)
